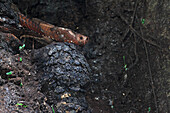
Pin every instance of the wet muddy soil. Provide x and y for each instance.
(127, 55)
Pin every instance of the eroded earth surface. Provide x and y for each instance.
(123, 69)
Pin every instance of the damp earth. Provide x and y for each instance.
(124, 68)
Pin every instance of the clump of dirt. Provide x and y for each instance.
(64, 76)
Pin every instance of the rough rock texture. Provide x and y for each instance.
(10, 95)
(64, 75)
(20, 86)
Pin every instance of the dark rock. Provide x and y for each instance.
(64, 69)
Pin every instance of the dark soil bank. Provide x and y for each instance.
(124, 68)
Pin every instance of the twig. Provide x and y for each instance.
(134, 12)
(127, 31)
(135, 32)
(150, 73)
(131, 24)
(136, 55)
(148, 41)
